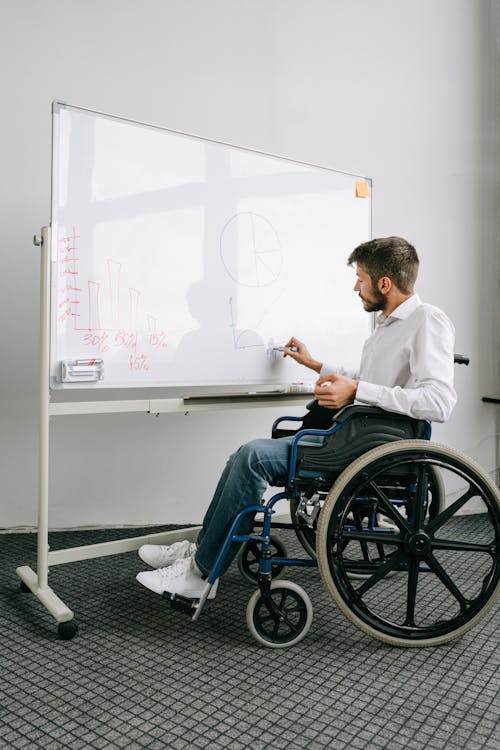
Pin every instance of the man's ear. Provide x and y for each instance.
(384, 284)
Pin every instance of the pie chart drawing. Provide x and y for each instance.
(250, 250)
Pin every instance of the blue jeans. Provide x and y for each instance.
(242, 483)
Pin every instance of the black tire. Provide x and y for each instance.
(451, 575)
(67, 630)
(285, 626)
(248, 559)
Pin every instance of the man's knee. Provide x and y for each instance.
(256, 449)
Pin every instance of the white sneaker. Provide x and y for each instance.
(182, 577)
(161, 555)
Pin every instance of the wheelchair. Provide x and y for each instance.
(367, 505)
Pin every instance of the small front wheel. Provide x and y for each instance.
(281, 619)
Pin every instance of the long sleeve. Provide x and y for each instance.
(328, 368)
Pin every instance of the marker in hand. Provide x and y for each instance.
(282, 348)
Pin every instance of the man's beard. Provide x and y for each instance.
(376, 303)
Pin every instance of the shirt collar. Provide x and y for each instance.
(401, 312)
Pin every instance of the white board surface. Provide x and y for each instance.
(178, 261)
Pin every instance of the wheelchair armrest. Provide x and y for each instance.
(285, 419)
(278, 432)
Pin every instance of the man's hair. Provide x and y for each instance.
(388, 256)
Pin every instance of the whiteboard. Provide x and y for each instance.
(181, 261)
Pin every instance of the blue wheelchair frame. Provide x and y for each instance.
(264, 538)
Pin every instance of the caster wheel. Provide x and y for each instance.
(284, 620)
(67, 630)
(25, 589)
(248, 559)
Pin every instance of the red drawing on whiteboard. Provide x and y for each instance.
(126, 339)
(138, 363)
(69, 260)
(94, 317)
(158, 339)
(98, 304)
(97, 341)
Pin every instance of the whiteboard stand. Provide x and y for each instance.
(37, 582)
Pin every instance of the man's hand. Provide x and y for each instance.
(300, 353)
(335, 391)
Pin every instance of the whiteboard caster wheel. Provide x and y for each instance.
(67, 630)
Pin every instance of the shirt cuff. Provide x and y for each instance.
(368, 393)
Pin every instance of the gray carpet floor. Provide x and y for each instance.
(141, 675)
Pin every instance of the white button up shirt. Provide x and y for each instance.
(407, 363)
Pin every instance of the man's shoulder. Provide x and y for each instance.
(425, 311)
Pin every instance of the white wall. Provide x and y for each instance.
(404, 91)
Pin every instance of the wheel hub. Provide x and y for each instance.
(420, 543)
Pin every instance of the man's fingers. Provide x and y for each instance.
(330, 378)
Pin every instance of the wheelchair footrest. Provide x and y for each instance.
(182, 603)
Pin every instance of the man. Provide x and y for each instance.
(406, 367)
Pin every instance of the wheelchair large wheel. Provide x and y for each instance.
(284, 620)
(447, 559)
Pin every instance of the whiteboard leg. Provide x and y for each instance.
(43, 427)
(50, 601)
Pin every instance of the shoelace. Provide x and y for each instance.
(179, 566)
(166, 550)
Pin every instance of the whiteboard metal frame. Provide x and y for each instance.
(57, 105)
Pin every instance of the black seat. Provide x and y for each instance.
(356, 429)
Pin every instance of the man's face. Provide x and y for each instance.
(373, 299)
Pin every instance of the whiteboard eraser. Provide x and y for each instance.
(81, 370)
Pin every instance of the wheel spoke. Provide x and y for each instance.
(443, 576)
(263, 619)
(275, 629)
(378, 537)
(445, 516)
(412, 593)
(389, 508)
(380, 573)
(284, 612)
(461, 546)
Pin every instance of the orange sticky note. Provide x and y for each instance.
(362, 190)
